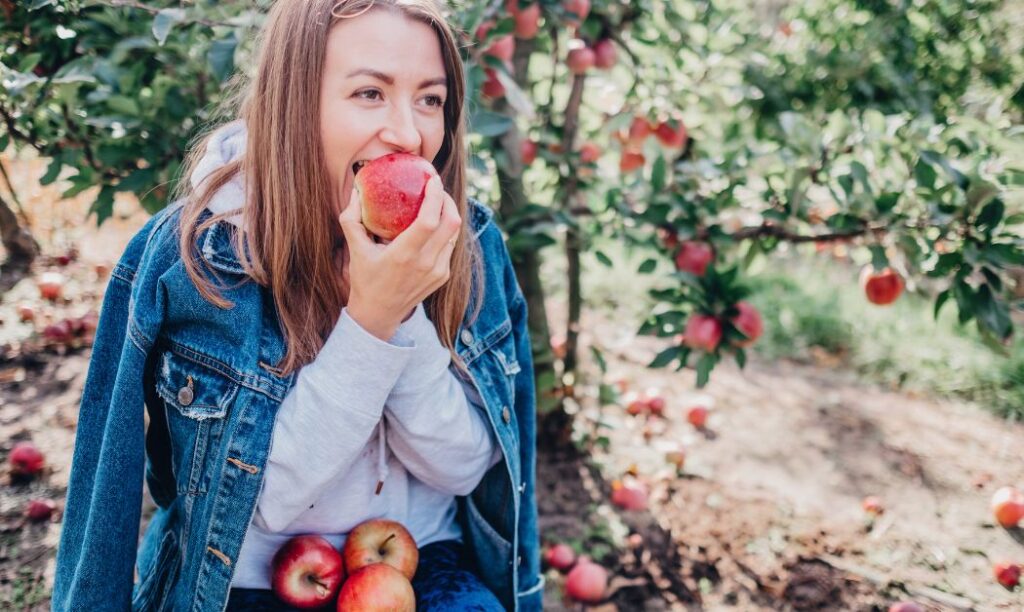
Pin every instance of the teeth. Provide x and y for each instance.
(356, 167)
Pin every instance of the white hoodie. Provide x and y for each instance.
(333, 463)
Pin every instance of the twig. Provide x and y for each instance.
(154, 10)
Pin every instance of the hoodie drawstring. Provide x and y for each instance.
(382, 464)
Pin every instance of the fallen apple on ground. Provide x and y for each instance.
(377, 588)
(697, 416)
(51, 286)
(587, 582)
(39, 510)
(1008, 506)
(306, 572)
(1007, 574)
(381, 541)
(629, 495)
(560, 556)
(873, 505)
(391, 189)
(26, 459)
(905, 606)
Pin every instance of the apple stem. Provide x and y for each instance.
(385, 543)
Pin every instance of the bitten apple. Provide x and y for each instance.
(306, 572)
(381, 541)
(377, 588)
(391, 189)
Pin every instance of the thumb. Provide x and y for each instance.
(352, 224)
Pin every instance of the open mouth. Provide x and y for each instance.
(356, 167)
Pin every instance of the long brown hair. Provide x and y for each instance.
(291, 227)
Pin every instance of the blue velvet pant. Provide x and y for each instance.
(444, 581)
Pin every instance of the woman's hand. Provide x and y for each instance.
(388, 281)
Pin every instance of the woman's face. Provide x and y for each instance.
(383, 92)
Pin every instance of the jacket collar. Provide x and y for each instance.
(216, 243)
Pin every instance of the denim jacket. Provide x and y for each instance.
(212, 403)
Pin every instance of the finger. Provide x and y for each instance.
(447, 233)
(427, 220)
(352, 225)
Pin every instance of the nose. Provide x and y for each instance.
(401, 131)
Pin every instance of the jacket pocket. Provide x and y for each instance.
(504, 352)
(153, 588)
(532, 598)
(493, 552)
(196, 400)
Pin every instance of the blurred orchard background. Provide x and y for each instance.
(772, 251)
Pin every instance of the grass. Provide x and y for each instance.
(813, 304)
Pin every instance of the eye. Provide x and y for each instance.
(435, 100)
(368, 92)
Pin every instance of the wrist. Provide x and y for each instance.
(374, 326)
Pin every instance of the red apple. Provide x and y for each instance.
(905, 606)
(873, 505)
(391, 189)
(492, 88)
(306, 572)
(51, 286)
(883, 287)
(748, 321)
(528, 150)
(39, 510)
(527, 19)
(655, 402)
(636, 404)
(580, 60)
(605, 54)
(560, 556)
(672, 133)
(377, 588)
(589, 152)
(703, 332)
(629, 495)
(502, 47)
(1007, 574)
(639, 130)
(26, 313)
(578, 8)
(1008, 506)
(631, 160)
(381, 541)
(694, 257)
(26, 459)
(587, 582)
(60, 332)
(697, 416)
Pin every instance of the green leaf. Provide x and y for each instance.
(879, 260)
(924, 174)
(664, 358)
(741, 358)
(992, 313)
(658, 174)
(29, 61)
(104, 204)
(490, 124)
(38, 4)
(604, 259)
(164, 21)
(648, 266)
(705, 364)
(939, 301)
(53, 171)
(222, 56)
(886, 202)
(599, 358)
(991, 215)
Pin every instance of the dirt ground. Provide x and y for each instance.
(765, 515)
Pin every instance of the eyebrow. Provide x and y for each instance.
(390, 80)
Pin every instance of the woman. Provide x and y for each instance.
(300, 376)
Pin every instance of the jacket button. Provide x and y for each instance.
(506, 414)
(467, 337)
(185, 396)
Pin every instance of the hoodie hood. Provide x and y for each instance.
(226, 145)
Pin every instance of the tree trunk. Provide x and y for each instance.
(20, 245)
